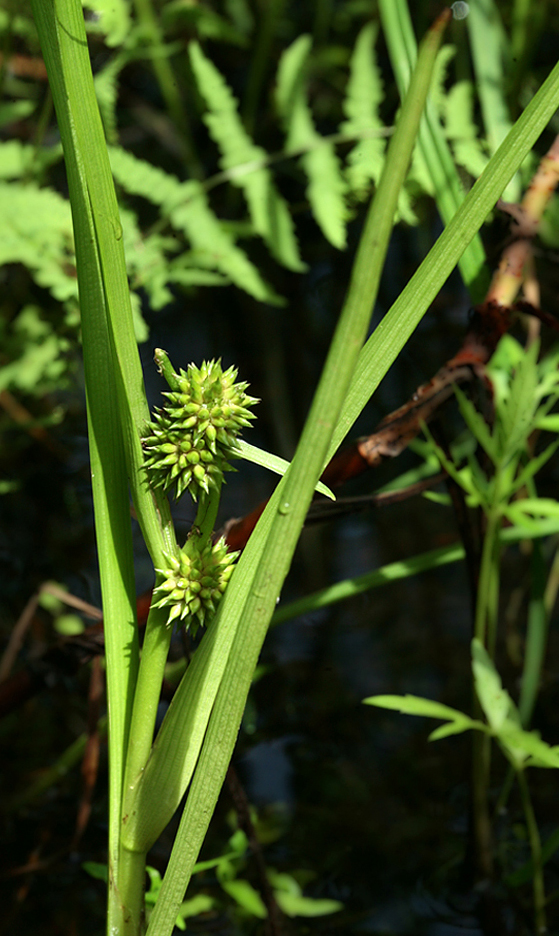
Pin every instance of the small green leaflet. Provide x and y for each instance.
(273, 463)
(457, 722)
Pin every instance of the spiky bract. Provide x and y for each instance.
(191, 437)
(194, 583)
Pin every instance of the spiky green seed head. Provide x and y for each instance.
(190, 439)
(193, 583)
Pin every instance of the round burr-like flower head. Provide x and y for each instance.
(190, 439)
(193, 584)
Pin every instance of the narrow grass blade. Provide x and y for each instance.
(393, 572)
(63, 41)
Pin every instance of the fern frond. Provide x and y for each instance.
(438, 92)
(460, 129)
(364, 93)
(106, 90)
(327, 186)
(36, 230)
(268, 210)
(34, 355)
(186, 206)
(18, 160)
(112, 19)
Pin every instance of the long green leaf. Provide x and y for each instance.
(273, 463)
(489, 47)
(63, 41)
(393, 572)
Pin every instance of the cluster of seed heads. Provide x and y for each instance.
(189, 440)
(194, 583)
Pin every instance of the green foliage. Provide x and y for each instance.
(364, 94)
(36, 228)
(36, 353)
(111, 20)
(269, 212)
(525, 391)
(186, 206)
(326, 186)
(191, 246)
(522, 748)
(179, 236)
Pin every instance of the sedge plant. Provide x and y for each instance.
(186, 445)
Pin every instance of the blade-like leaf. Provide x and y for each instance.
(495, 701)
(273, 463)
(476, 424)
(415, 705)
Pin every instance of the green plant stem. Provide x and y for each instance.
(152, 667)
(536, 849)
(552, 587)
(132, 877)
(536, 638)
(482, 829)
(488, 588)
(485, 630)
(271, 11)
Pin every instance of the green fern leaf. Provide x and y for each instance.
(19, 160)
(36, 230)
(327, 186)
(186, 206)
(437, 93)
(461, 130)
(36, 356)
(364, 93)
(269, 212)
(193, 215)
(112, 19)
(106, 90)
